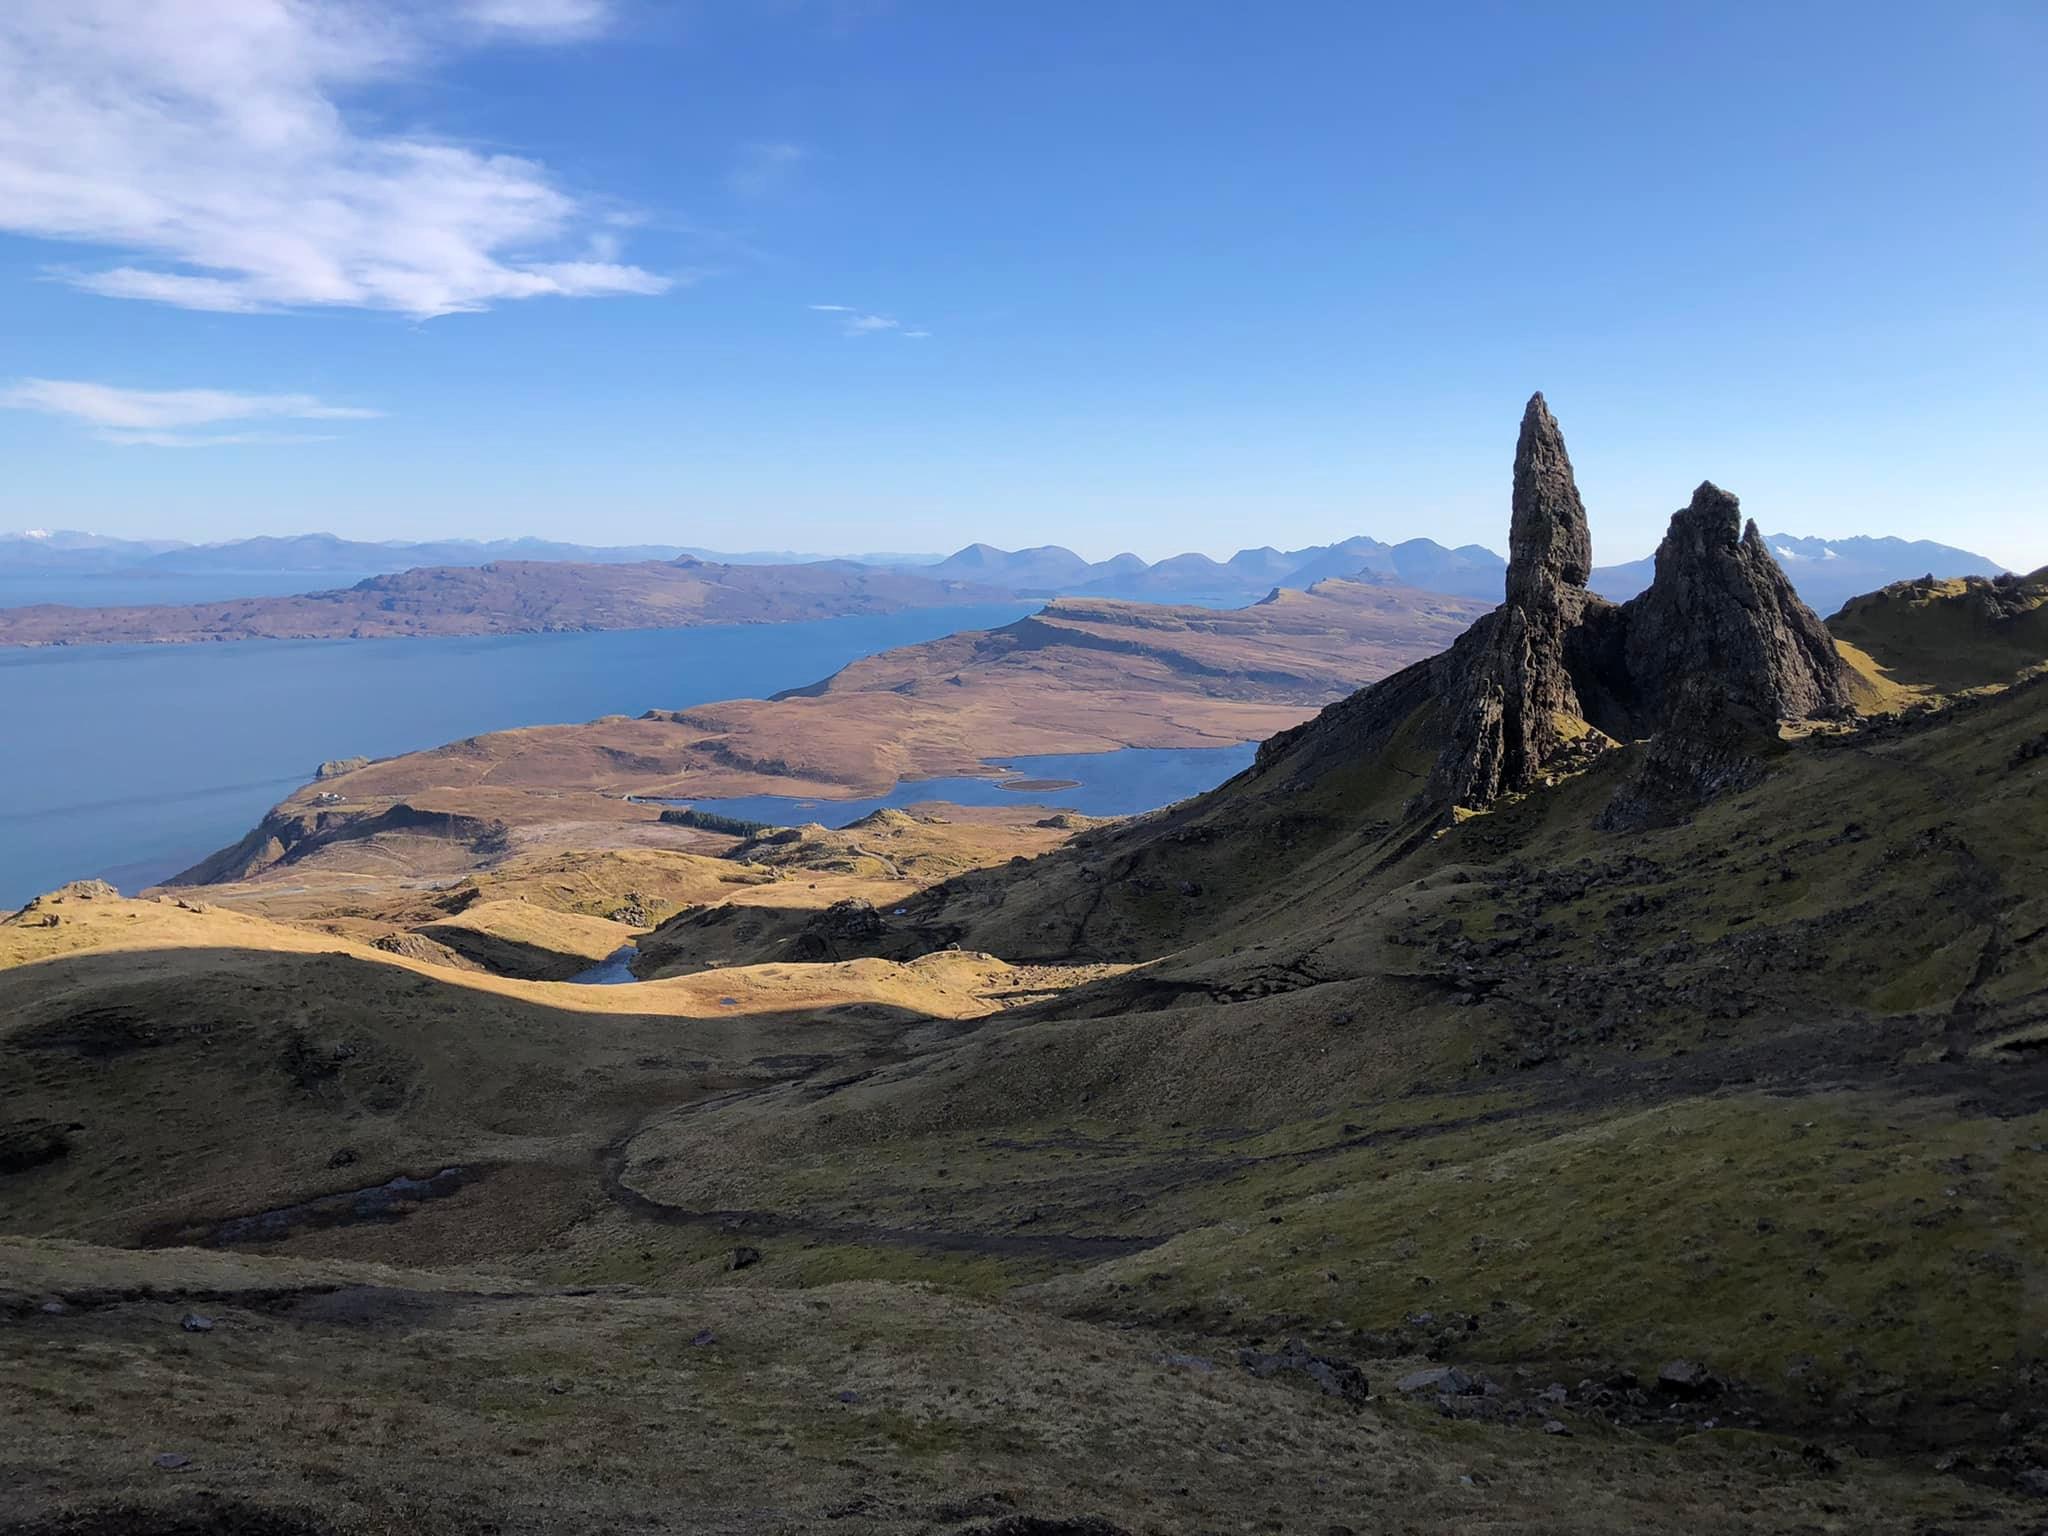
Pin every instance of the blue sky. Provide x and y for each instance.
(844, 276)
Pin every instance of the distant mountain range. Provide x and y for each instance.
(1050, 571)
(1827, 572)
(73, 552)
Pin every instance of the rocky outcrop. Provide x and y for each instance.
(1704, 666)
(288, 834)
(1721, 610)
(1717, 652)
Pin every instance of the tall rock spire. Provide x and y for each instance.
(1515, 705)
(1548, 540)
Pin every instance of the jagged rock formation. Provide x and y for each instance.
(1719, 650)
(1721, 609)
(1706, 663)
(1515, 705)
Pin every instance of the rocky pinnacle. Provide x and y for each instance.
(1513, 704)
(1720, 609)
(1548, 540)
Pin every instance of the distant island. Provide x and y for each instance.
(510, 597)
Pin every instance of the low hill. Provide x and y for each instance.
(510, 597)
(1947, 636)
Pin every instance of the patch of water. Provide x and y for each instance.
(615, 969)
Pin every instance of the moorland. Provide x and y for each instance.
(1590, 1077)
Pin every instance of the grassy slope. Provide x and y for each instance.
(1793, 1019)
(1950, 635)
(404, 1402)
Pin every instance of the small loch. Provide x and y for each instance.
(1125, 782)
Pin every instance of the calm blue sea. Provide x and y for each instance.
(133, 762)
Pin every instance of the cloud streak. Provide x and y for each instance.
(860, 322)
(219, 160)
(162, 418)
(540, 18)
(762, 169)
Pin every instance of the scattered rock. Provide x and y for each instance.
(171, 1461)
(1556, 1427)
(343, 1157)
(1188, 1363)
(1445, 1379)
(742, 1257)
(849, 1396)
(1336, 1378)
(704, 1336)
(194, 1322)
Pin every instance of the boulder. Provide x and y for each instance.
(1688, 1379)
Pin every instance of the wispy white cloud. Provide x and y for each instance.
(213, 150)
(545, 18)
(861, 322)
(764, 167)
(213, 439)
(162, 418)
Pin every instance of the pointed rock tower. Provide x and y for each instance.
(1719, 651)
(1516, 704)
(1719, 606)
